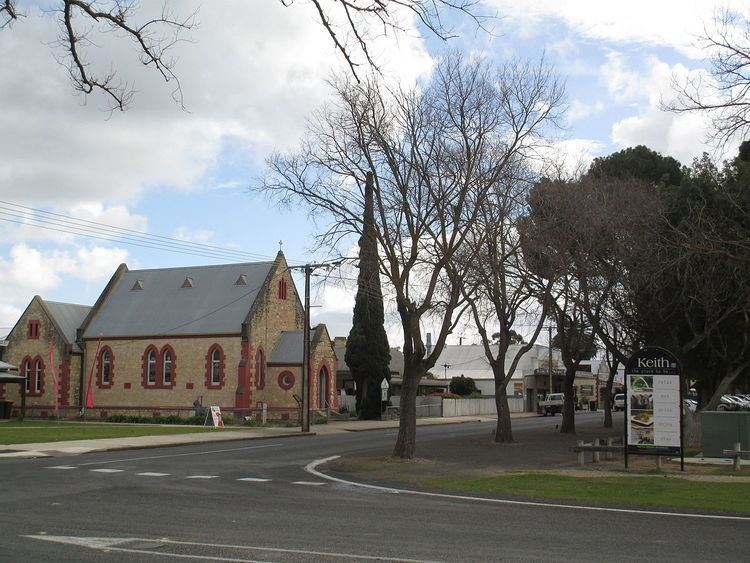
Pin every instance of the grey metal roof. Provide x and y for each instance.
(288, 349)
(5, 366)
(69, 318)
(214, 304)
(396, 365)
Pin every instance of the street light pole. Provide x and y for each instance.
(446, 366)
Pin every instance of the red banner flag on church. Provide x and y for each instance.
(89, 389)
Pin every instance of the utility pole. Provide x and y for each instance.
(306, 355)
(306, 383)
(549, 359)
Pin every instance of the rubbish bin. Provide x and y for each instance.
(592, 405)
(6, 407)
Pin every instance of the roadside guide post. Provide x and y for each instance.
(384, 385)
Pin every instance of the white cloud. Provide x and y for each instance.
(252, 74)
(581, 110)
(201, 236)
(673, 23)
(681, 135)
(28, 271)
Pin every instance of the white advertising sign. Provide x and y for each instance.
(653, 409)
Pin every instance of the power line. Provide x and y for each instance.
(30, 216)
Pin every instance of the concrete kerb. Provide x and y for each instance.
(76, 447)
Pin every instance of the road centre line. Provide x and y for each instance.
(61, 467)
(254, 479)
(111, 543)
(107, 470)
(312, 469)
(180, 455)
(202, 477)
(151, 474)
(308, 483)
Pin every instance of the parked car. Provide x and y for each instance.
(619, 402)
(690, 405)
(726, 403)
(552, 404)
(743, 403)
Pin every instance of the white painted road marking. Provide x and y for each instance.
(60, 467)
(181, 455)
(113, 543)
(150, 474)
(254, 479)
(202, 477)
(308, 483)
(107, 470)
(312, 469)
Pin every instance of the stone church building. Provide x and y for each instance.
(167, 339)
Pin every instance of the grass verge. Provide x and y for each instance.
(652, 491)
(33, 431)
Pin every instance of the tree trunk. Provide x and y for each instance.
(371, 402)
(568, 425)
(503, 430)
(608, 396)
(724, 386)
(407, 425)
(607, 400)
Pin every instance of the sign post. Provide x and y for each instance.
(653, 404)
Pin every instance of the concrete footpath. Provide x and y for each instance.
(73, 447)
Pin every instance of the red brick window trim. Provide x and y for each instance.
(215, 363)
(105, 369)
(159, 368)
(34, 372)
(260, 369)
(282, 289)
(167, 366)
(33, 333)
(286, 380)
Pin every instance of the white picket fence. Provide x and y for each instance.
(473, 407)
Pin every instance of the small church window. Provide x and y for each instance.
(152, 366)
(105, 367)
(282, 288)
(216, 367)
(33, 332)
(38, 373)
(167, 372)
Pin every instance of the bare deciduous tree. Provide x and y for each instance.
(434, 153)
(501, 289)
(351, 26)
(725, 98)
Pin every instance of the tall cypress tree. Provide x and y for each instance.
(367, 351)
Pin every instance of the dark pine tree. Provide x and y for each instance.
(367, 351)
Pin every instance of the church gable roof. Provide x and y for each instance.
(160, 302)
(68, 317)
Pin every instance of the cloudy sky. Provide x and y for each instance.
(250, 74)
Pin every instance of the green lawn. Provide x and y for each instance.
(656, 491)
(31, 431)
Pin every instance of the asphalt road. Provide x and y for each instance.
(253, 501)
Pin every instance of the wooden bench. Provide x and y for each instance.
(596, 448)
(736, 454)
